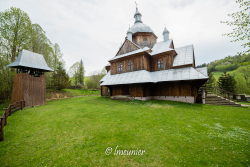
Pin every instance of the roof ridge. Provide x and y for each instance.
(185, 46)
(199, 71)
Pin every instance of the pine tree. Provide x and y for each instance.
(227, 82)
(81, 73)
(211, 81)
(61, 78)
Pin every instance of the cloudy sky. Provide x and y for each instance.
(93, 30)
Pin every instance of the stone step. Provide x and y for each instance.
(222, 103)
(217, 100)
(233, 105)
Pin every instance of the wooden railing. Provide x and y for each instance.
(7, 112)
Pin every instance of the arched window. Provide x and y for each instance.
(119, 67)
(130, 65)
(160, 64)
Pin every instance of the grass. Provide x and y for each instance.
(217, 75)
(80, 92)
(70, 93)
(243, 102)
(76, 132)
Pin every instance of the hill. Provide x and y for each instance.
(237, 66)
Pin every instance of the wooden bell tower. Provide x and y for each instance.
(29, 82)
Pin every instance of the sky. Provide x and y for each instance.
(94, 30)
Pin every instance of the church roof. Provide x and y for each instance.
(143, 76)
(131, 53)
(161, 47)
(185, 55)
(30, 59)
(140, 27)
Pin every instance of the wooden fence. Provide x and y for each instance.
(7, 112)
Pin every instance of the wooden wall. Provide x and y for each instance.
(144, 39)
(180, 88)
(104, 91)
(29, 88)
(126, 47)
(167, 58)
(141, 61)
(173, 89)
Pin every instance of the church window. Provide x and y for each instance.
(119, 67)
(130, 65)
(160, 64)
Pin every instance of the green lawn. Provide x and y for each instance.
(76, 132)
(80, 92)
(50, 94)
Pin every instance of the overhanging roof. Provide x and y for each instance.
(161, 47)
(143, 76)
(130, 53)
(185, 55)
(31, 60)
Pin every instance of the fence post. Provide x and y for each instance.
(1, 129)
(5, 117)
(9, 108)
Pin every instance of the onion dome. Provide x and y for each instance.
(138, 25)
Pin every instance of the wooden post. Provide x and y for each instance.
(5, 117)
(1, 129)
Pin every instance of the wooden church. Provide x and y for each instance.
(144, 68)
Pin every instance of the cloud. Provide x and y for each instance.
(94, 30)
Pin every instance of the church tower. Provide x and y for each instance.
(140, 33)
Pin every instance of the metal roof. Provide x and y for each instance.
(130, 53)
(30, 59)
(160, 47)
(140, 27)
(143, 76)
(202, 70)
(185, 55)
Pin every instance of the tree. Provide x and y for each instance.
(93, 81)
(227, 82)
(211, 80)
(81, 73)
(77, 72)
(60, 77)
(73, 72)
(15, 28)
(240, 23)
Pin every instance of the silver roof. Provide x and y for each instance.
(30, 59)
(131, 53)
(140, 27)
(185, 55)
(143, 76)
(160, 47)
(202, 70)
